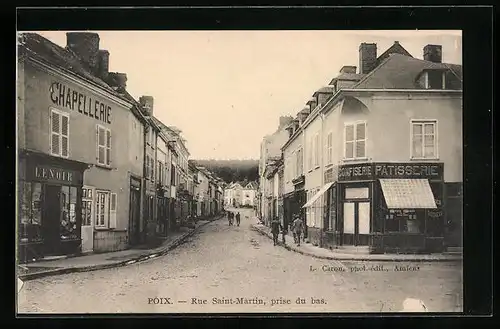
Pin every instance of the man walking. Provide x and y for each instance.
(298, 228)
(275, 230)
(238, 219)
(230, 218)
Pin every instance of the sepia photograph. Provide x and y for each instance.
(239, 171)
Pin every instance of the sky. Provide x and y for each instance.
(227, 89)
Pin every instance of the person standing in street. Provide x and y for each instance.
(238, 219)
(230, 218)
(298, 228)
(275, 230)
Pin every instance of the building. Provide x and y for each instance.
(270, 149)
(203, 193)
(78, 191)
(195, 208)
(241, 194)
(271, 184)
(381, 190)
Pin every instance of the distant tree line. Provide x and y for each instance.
(232, 170)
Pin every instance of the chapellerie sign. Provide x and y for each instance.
(64, 96)
(390, 170)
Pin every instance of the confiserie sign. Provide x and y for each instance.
(390, 170)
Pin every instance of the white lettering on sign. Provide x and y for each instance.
(54, 174)
(403, 171)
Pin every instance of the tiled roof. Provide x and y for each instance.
(34, 45)
(348, 76)
(325, 89)
(400, 72)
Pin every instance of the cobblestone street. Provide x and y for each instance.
(230, 262)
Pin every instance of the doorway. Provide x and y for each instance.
(356, 223)
(87, 219)
(134, 216)
(51, 220)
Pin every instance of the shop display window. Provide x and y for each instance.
(68, 225)
(30, 212)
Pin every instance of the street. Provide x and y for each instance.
(223, 264)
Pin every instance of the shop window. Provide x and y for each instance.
(68, 227)
(424, 140)
(333, 209)
(355, 140)
(103, 146)
(59, 137)
(404, 221)
(102, 209)
(30, 212)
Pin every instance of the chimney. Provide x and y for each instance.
(433, 53)
(290, 130)
(348, 69)
(86, 46)
(147, 103)
(303, 114)
(284, 121)
(103, 60)
(117, 80)
(367, 57)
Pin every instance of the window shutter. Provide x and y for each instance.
(64, 135)
(112, 211)
(97, 143)
(55, 147)
(108, 147)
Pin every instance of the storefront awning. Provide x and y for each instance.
(317, 195)
(408, 194)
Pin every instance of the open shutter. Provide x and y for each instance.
(64, 135)
(97, 143)
(55, 129)
(112, 211)
(108, 147)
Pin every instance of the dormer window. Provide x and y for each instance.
(435, 79)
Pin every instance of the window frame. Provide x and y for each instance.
(61, 114)
(107, 205)
(329, 148)
(107, 158)
(422, 122)
(355, 140)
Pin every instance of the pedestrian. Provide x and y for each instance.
(298, 228)
(229, 217)
(275, 229)
(238, 219)
(284, 232)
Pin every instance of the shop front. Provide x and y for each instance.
(162, 195)
(391, 207)
(50, 206)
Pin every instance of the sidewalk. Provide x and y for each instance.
(101, 261)
(318, 252)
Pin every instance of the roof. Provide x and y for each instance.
(348, 76)
(400, 72)
(251, 185)
(36, 46)
(325, 89)
(396, 48)
(305, 110)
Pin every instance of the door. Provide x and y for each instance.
(51, 220)
(356, 223)
(134, 217)
(87, 219)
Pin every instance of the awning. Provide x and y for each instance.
(317, 195)
(408, 194)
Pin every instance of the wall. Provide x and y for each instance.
(20, 106)
(288, 156)
(82, 136)
(399, 110)
(276, 185)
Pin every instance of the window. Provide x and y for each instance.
(30, 212)
(103, 146)
(423, 139)
(300, 164)
(160, 172)
(68, 228)
(87, 203)
(173, 175)
(316, 150)
(152, 169)
(309, 155)
(435, 80)
(59, 133)
(355, 140)
(329, 148)
(112, 211)
(147, 167)
(102, 209)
